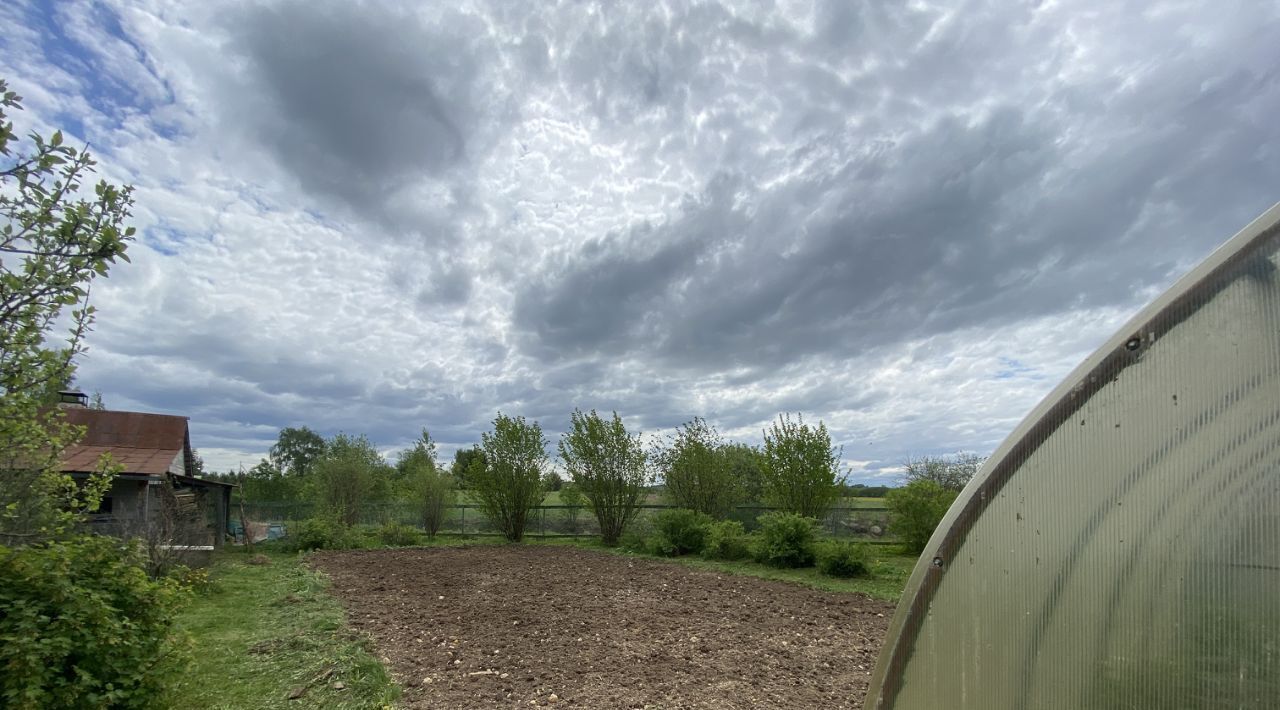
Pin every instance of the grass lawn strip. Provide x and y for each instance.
(270, 636)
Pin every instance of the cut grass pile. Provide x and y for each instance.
(270, 636)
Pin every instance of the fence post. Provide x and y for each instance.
(462, 530)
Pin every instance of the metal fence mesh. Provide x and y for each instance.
(869, 522)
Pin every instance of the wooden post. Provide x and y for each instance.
(244, 524)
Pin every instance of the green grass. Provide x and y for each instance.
(260, 632)
(890, 569)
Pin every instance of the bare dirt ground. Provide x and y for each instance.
(518, 626)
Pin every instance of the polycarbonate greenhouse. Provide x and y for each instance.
(1121, 549)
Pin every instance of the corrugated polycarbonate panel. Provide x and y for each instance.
(1122, 548)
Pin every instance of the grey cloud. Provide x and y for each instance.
(355, 100)
(431, 278)
(218, 354)
(634, 68)
(608, 296)
(449, 286)
(957, 221)
(602, 303)
(810, 269)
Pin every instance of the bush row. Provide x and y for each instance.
(784, 540)
(329, 533)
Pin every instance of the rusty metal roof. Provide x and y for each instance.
(152, 462)
(141, 443)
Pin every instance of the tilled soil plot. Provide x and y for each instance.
(508, 626)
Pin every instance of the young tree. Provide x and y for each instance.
(349, 475)
(55, 239)
(431, 489)
(571, 496)
(508, 479)
(197, 463)
(160, 526)
(608, 466)
(916, 509)
(696, 474)
(81, 622)
(265, 483)
(295, 450)
(950, 472)
(552, 481)
(801, 467)
(746, 465)
(462, 460)
(419, 457)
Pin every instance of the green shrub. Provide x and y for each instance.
(726, 540)
(786, 540)
(695, 471)
(638, 536)
(915, 510)
(608, 465)
(322, 533)
(82, 626)
(399, 535)
(507, 480)
(572, 497)
(843, 558)
(801, 469)
(348, 476)
(680, 531)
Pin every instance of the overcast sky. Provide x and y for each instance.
(907, 220)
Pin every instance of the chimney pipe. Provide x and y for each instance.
(72, 399)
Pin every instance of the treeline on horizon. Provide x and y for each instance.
(795, 473)
(286, 474)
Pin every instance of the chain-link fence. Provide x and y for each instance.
(864, 522)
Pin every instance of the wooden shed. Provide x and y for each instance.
(157, 485)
